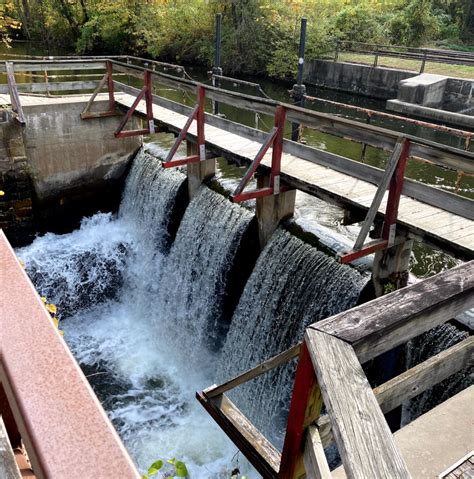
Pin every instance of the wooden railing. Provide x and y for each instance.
(443, 156)
(329, 372)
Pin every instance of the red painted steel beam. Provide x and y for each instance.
(145, 93)
(62, 423)
(368, 248)
(182, 161)
(251, 195)
(274, 140)
(127, 133)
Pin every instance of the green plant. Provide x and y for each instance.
(178, 469)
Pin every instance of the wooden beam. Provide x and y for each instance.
(53, 86)
(13, 90)
(48, 65)
(250, 441)
(255, 372)
(433, 196)
(379, 325)
(315, 462)
(305, 408)
(413, 382)
(425, 375)
(362, 435)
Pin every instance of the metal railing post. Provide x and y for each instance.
(216, 69)
(299, 90)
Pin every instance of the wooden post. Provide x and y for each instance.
(305, 408)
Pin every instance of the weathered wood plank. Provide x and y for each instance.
(8, 466)
(52, 86)
(362, 435)
(425, 375)
(253, 373)
(13, 90)
(315, 462)
(378, 326)
(25, 66)
(381, 138)
(298, 174)
(413, 382)
(255, 447)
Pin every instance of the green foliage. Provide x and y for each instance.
(258, 36)
(178, 469)
(415, 24)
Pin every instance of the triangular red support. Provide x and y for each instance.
(274, 140)
(147, 93)
(198, 115)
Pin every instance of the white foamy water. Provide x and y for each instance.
(135, 362)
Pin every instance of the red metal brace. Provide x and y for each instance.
(198, 115)
(274, 140)
(391, 212)
(147, 92)
(107, 78)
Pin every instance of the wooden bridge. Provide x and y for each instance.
(397, 209)
(439, 218)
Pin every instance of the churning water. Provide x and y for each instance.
(107, 279)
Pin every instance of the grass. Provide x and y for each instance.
(459, 71)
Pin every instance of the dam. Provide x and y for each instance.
(193, 288)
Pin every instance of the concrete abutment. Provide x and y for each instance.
(59, 168)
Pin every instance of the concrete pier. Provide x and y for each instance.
(59, 165)
(271, 210)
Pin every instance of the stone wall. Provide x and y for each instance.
(16, 213)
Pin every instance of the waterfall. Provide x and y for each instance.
(80, 269)
(194, 279)
(291, 286)
(150, 301)
(422, 348)
(120, 283)
(151, 198)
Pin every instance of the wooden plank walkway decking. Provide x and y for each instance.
(447, 231)
(425, 221)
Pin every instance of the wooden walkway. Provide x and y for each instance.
(451, 232)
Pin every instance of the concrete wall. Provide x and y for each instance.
(376, 82)
(60, 165)
(65, 152)
(459, 96)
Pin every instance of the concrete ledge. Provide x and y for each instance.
(436, 114)
(438, 439)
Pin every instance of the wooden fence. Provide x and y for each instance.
(329, 372)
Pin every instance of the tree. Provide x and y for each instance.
(7, 22)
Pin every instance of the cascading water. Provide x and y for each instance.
(134, 345)
(146, 315)
(291, 286)
(423, 347)
(194, 278)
